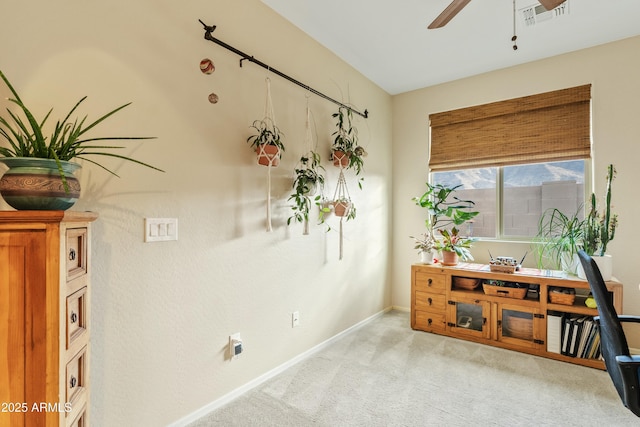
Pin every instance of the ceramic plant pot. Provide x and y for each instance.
(449, 258)
(341, 208)
(35, 184)
(341, 159)
(268, 155)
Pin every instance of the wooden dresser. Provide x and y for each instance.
(44, 317)
(536, 318)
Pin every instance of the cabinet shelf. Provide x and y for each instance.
(437, 306)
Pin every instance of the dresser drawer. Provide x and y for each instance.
(428, 301)
(76, 252)
(76, 317)
(428, 321)
(430, 282)
(76, 377)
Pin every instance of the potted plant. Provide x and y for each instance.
(426, 245)
(599, 229)
(558, 240)
(446, 209)
(454, 246)
(308, 178)
(267, 142)
(47, 160)
(345, 151)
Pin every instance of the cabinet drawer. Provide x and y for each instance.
(430, 302)
(76, 377)
(76, 316)
(430, 282)
(76, 252)
(428, 321)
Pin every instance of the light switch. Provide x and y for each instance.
(160, 229)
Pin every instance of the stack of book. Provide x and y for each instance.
(573, 335)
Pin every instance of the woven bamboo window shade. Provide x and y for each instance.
(550, 126)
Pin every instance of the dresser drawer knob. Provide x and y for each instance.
(429, 321)
(73, 382)
(72, 255)
(430, 301)
(74, 317)
(429, 282)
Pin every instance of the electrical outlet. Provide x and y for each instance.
(235, 346)
(295, 319)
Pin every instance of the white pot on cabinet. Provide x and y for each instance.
(605, 265)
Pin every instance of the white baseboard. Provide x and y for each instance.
(195, 416)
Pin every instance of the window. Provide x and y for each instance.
(515, 158)
(511, 199)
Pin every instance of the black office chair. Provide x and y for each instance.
(623, 368)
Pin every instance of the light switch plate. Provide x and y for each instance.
(160, 229)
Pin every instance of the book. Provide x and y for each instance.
(554, 332)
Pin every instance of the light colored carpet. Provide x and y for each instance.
(385, 374)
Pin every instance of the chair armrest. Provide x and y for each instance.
(622, 318)
(629, 361)
(629, 318)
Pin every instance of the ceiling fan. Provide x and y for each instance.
(457, 5)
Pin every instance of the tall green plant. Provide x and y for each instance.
(27, 139)
(559, 238)
(443, 207)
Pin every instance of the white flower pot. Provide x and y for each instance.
(605, 265)
(426, 257)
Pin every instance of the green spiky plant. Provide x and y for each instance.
(66, 142)
(600, 228)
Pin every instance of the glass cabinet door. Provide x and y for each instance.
(519, 325)
(468, 316)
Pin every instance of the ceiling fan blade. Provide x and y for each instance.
(447, 14)
(551, 4)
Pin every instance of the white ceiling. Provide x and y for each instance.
(388, 40)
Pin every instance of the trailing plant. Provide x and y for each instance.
(26, 138)
(308, 178)
(600, 228)
(266, 133)
(346, 140)
(453, 242)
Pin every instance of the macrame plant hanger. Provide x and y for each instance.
(309, 146)
(341, 201)
(273, 160)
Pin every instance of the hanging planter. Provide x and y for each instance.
(342, 206)
(267, 142)
(345, 151)
(308, 177)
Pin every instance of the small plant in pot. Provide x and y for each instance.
(267, 142)
(426, 246)
(41, 170)
(454, 246)
(558, 240)
(308, 179)
(345, 151)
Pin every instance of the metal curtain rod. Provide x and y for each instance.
(207, 35)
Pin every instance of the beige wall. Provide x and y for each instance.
(613, 71)
(162, 312)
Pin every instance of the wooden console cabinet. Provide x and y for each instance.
(526, 324)
(44, 318)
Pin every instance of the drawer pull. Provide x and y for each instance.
(72, 255)
(74, 317)
(430, 301)
(73, 382)
(429, 282)
(429, 321)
